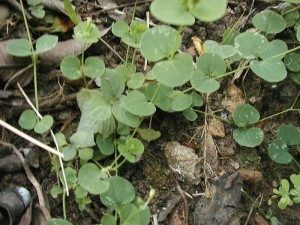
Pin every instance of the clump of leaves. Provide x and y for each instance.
(244, 116)
(36, 8)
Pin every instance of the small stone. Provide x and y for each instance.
(259, 220)
(216, 128)
(251, 176)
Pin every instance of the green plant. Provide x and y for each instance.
(36, 8)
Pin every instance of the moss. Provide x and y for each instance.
(248, 159)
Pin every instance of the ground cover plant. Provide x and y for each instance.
(119, 103)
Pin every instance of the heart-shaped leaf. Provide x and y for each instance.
(245, 115)
(248, 44)
(93, 67)
(132, 149)
(137, 104)
(69, 152)
(136, 80)
(269, 22)
(70, 67)
(272, 70)
(105, 145)
(190, 114)
(149, 134)
(203, 84)
(225, 51)
(91, 178)
(181, 101)
(19, 47)
(251, 137)
(86, 32)
(44, 124)
(85, 154)
(160, 95)
(209, 10)
(176, 12)
(290, 134)
(119, 28)
(272, 49)
(112, 85)
(45, 43)
(279, 152)
(120, 192)
(28, 119)
(292, 61)
(211, 64)
(174, 72)
(160, 42)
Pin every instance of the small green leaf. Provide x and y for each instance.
(85, 154)
(245, 115)
(93, 67)
(132, 149)
(248, 44)
(203, 84)
(171, 12)
(119, 28)
(295, 178)
(37, 11)
(190, 114)
(54, 221)
(69, 9)
(45, 43)
(19, 47)
(274, 48)
(34, 2)
(197, 99)
(271, 70)
(56, 191)
(160, 42)
(90, 177)
(225, 51)
(61, 139)
(251, 137)
(108, 220)
(137, 104)
(71, 176)
(112, 85)
(269, 22)
(120, 192)
(174, 72)
(136, 80)
(296, 77)
(28, 119)
(44, 124)
(290, 134)
(149, 134)
(209, 10)
(292, 61)
(279, 152)
(106, 145)
(80, 192)
(86, 32)
(70, 67)
(211, 64)
(229, 35)
(181, 101)
(69, 152)
(129, 215)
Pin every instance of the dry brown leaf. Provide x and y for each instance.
(4, 15)
(216, 128)
(212, 158)
(198, 43)
(234, 98)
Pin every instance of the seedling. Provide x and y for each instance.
(36, 8)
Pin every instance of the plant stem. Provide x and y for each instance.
(278, 114)
(64, 205)
(113, 50)
(213, 115)
(231, 72)
(297, 164)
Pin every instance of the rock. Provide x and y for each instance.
(223, 204)
(183, 160)
(234, 98)
(251, 176)
(259, 220)
(216, 128)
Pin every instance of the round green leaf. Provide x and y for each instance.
(209, 10)
(160, 42)
(292, 61)
(28, 119)
(197, 99)
(129, 215)
(211, 64)
(248, 44)
(54, 221)
(181, 101)
(289, 14)
(245, 115)
(86, 32)
(279, 152)
(174, 72)
(105, 145)
(137, 104)
(19, 47)
(108, 220)
(136, 81)
(122, 115)
(272, 70)
(290, 134)
(274, 48)
(61, 139)
(203, 84)
(112, 85)
(69, 152)
(296, 77)
(269, 22)
(93, 67)
(229, 35)
(90, 177)
(190, 114)
(85, 154)
(149, 134)
(119, 28)
(225, 51)
(45, 43)
(120, 192)
(44, 124)
(132, 149)
(70, 67)
(171, 12)
(251, 137)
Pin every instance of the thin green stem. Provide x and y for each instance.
(292, 10)
(119, 165)
(213, 115)
(188, 89)
(278, 114)
(113, 50)
(133, 57)
(231, 72)
(297, 164)
(64, 205)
